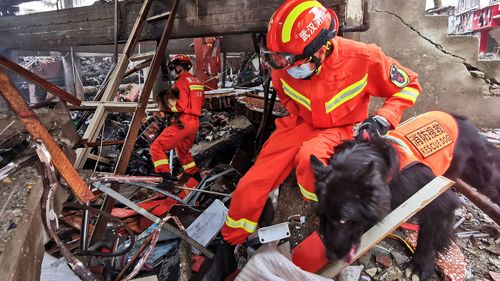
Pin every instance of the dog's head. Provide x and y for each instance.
(353, 193)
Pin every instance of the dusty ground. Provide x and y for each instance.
(14, 193)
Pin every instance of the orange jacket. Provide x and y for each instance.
(191, 95)
(429, 138)
(339, 94)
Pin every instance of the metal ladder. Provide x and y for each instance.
(116, 78)
(105, 105)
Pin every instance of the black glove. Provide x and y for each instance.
(373, 126)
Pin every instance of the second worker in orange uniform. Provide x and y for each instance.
(325, 82)
(180, 137)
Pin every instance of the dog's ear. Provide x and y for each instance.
(368, 170)
(319, 169)
(320, 173)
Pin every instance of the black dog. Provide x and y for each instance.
(363, 183)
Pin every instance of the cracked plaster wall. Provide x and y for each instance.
(420, 42)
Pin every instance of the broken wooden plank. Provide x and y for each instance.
(93, 25)
(405, 211)
(158, 17)
(47, 86)
(39, 132)
(143, 56)
(98, 158)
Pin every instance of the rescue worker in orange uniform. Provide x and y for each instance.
(325, 82)
(188, 106)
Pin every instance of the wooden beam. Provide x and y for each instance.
(93, 25)
(405, 211)
(47, 86)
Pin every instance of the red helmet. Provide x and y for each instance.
(297, 30)
(181, 60)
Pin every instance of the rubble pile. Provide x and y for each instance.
(477, 236)
(214, 125)
(95, 69)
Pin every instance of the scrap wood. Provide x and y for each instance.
(39, 132)
(402, 213)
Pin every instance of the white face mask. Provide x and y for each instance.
(302, 71)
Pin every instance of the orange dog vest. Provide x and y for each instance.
(429, 138)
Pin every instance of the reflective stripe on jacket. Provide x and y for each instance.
(339, 94)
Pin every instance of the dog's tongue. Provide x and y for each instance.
(350, 257)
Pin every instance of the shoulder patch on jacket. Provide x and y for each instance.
(398, 76)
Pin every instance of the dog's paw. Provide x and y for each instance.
(419, 270)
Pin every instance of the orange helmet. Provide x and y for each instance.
(297, 30)
(181, 60)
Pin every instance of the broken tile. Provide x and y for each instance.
(392, 274)
(350, 273)
(400, 259)
(495, 276)
(495, 249)
(495, 261)
(371, 271)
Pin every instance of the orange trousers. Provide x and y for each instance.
(291, 145)
(179, 139)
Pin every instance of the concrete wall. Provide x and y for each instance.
(420, 42)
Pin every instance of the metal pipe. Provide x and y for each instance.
(126, 179)
(204, 191)
(115, 29)
(85, 230)
(481, 201)
(166, 193)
